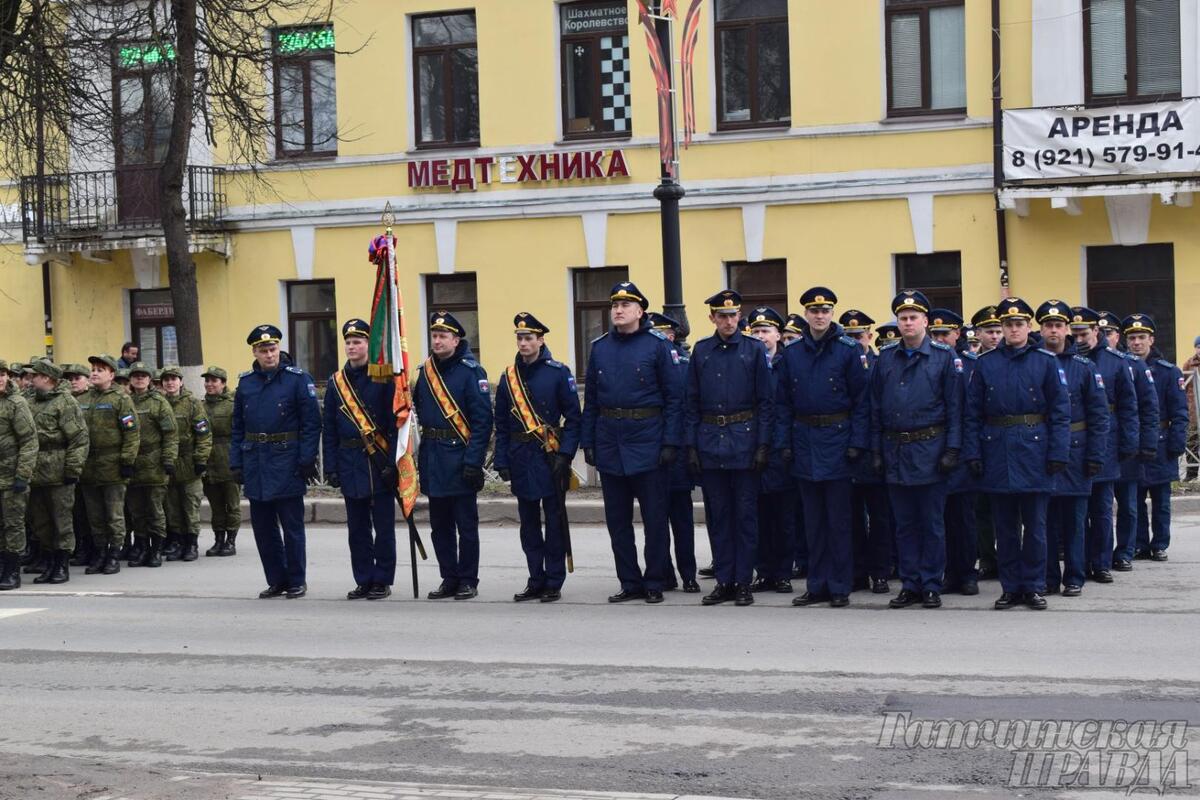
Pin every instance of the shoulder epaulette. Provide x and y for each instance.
(552, 363)
(846, 340)
(1081, 359)
(1047, 352)
(601, 336)
(941, 346)
(1164, 363)
(889, 345)
(247, 372)
(969, 355)
(468, 362)
(989, 352)
(1126, 356)
(294, 370)
(658, 333)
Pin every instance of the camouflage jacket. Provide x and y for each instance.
(62, 437)
(112, 426)
(195, 435)
(159, 438)
(220, 417)
(18, 438)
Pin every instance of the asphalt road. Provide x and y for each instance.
(177, 683)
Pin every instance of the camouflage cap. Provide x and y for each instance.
(215, 372)
(76, 369)
(3, 365)
(44, 367)
(106, 360)
(141, 367)
(171, 371)
(16, 368)
(123, 374)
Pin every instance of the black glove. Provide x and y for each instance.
(20, 486)
(126, 470)
(761, 457)
(332, 479)
(948, 462)
(1092, 469)
(473, 477)
(693, 462)
(589, 456)
(388, 475)
(1125, 456)
(309, 473)
(785, 455)
(976, 468)
(1147, 456)
(853, 454)
(70, 480)
(238, 477)
(505, 475)
(1055, 467)
(199, 469)
(877, 463)
(560, 466)
(169, 469)
(666, 456)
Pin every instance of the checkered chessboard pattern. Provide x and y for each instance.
(614, 82)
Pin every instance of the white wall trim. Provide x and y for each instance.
(754, 220)
(445, 232)
(303, 247)
(284, 344)
(1189, 46)
(1083, 274)
(920, 215)
(1057, 30)
(595, 237)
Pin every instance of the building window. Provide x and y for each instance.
(1131, 50)
(938, 275)
(926, 57)
(753, 82)
(305, 92)
(595, 69)
(762, 283)
(141, 127)
(1128, 280)
(446, 79)
(152, 321)
(458, 294)
(592, 289)
(312, 327)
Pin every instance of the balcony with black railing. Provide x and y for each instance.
(100, 209)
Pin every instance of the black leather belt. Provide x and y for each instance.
(1016, 419)
(444, 434)
(265, 438)
(1076, 427)
(631, 413)
(350, 444)
(918, 435)
(823, 420)
(522, 436)
(728, 419)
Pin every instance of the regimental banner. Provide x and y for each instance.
(1150, 140)
(470, 173)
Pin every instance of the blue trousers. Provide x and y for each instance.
(1126, 493)
(1157, 518)
(683, 531)
(372, 532)
(920, 534)
(962, 540)
(801, 557)
(776, 535)
(283, 556)
(1020, 521)
(872, 531)
(827, 527)
(1066, 518)
(733, 527)
(545, 550)
(1098, 549)
(650, 489)
(454, 528)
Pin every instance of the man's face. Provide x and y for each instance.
(529, 344)
(130, 354)
(726, 324)
(1139, 343)
(789, 337)
(102, 376)
(140, 381)
(989, 337)
(949, 338)
(1054, 334)
(863, 338)
(3, 381)
(912, 326)
(43, 383)
(25, 381)
(1088, 337)
(172, 384)
(768, 335)
(669, 333)
(443, 343)
(819, 318)
(267, 355)
(213, 386)
(973, 346)
(1016, 332)
(1112, 336)
(625, 312)
(79, 383)
(356, 350)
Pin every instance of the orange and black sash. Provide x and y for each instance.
(524, 411)
(446, 404)
(353, 408)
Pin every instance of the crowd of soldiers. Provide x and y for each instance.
(954, 452)
(106, 463)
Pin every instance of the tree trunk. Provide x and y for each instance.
(181, 269)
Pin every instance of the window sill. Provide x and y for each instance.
(433, 148)
(295, 158)
(916, 119)
(568, 141)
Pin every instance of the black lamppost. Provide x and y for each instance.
(668, 193)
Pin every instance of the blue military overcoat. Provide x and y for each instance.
(343, 451)
(440, 462)
(727, 378)
(1148, 422)
(777, 477)
(1123, 424)
(1173, 422)
(282, 401)
(1089, 424)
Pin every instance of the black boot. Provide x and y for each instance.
(136, 552)
(230, 546)
(84, 551)
(112, 561)
(50, 564)
(31, 551)
(153, 556)
(218, 544)
(189, 551)
(123, 553)
(10, 571)
(172, 548)
(62, 567)
(39, 564)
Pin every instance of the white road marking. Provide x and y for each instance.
(16, 612)
(52, 593)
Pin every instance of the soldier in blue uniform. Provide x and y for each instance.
(452, 400)
(794, 328)
(1066, 514)
(990, 335)
(1133, 471)
(916, 437)
(273, 453)
(679, 499)
(1109, 325)
(962, 535)
(537, 434)
(887, 335)
(871, 513)
(822, 427)
(728, 408)
(1158, 474)
(368, 483)
(1018, 435)
(1120, 445)
(632, 431)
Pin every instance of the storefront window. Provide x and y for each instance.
(1129, 280)
(937, 275)
(153, 326)
(595, 69)
(312, 328)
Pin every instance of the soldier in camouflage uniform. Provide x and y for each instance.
(31, 554)
(18, 457)
(157, 455)
(122, 380)
(112, 424)
(79, 377)
(62, 453)
(195, 444)
(223, 493)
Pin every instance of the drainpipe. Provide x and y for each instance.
(998, 152)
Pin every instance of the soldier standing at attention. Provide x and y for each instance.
(18, 458)
(79, 377)
(158, 454)
(273, 454)
(990, 335)
(537, 434)
(185, 488)
(113, 431)
(452, 401)
(822, 427)
(1133, 470)
(223, 493)
(357, 411)
(1018, 436)
(793, 331)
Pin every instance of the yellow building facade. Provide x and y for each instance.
(846, 144)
